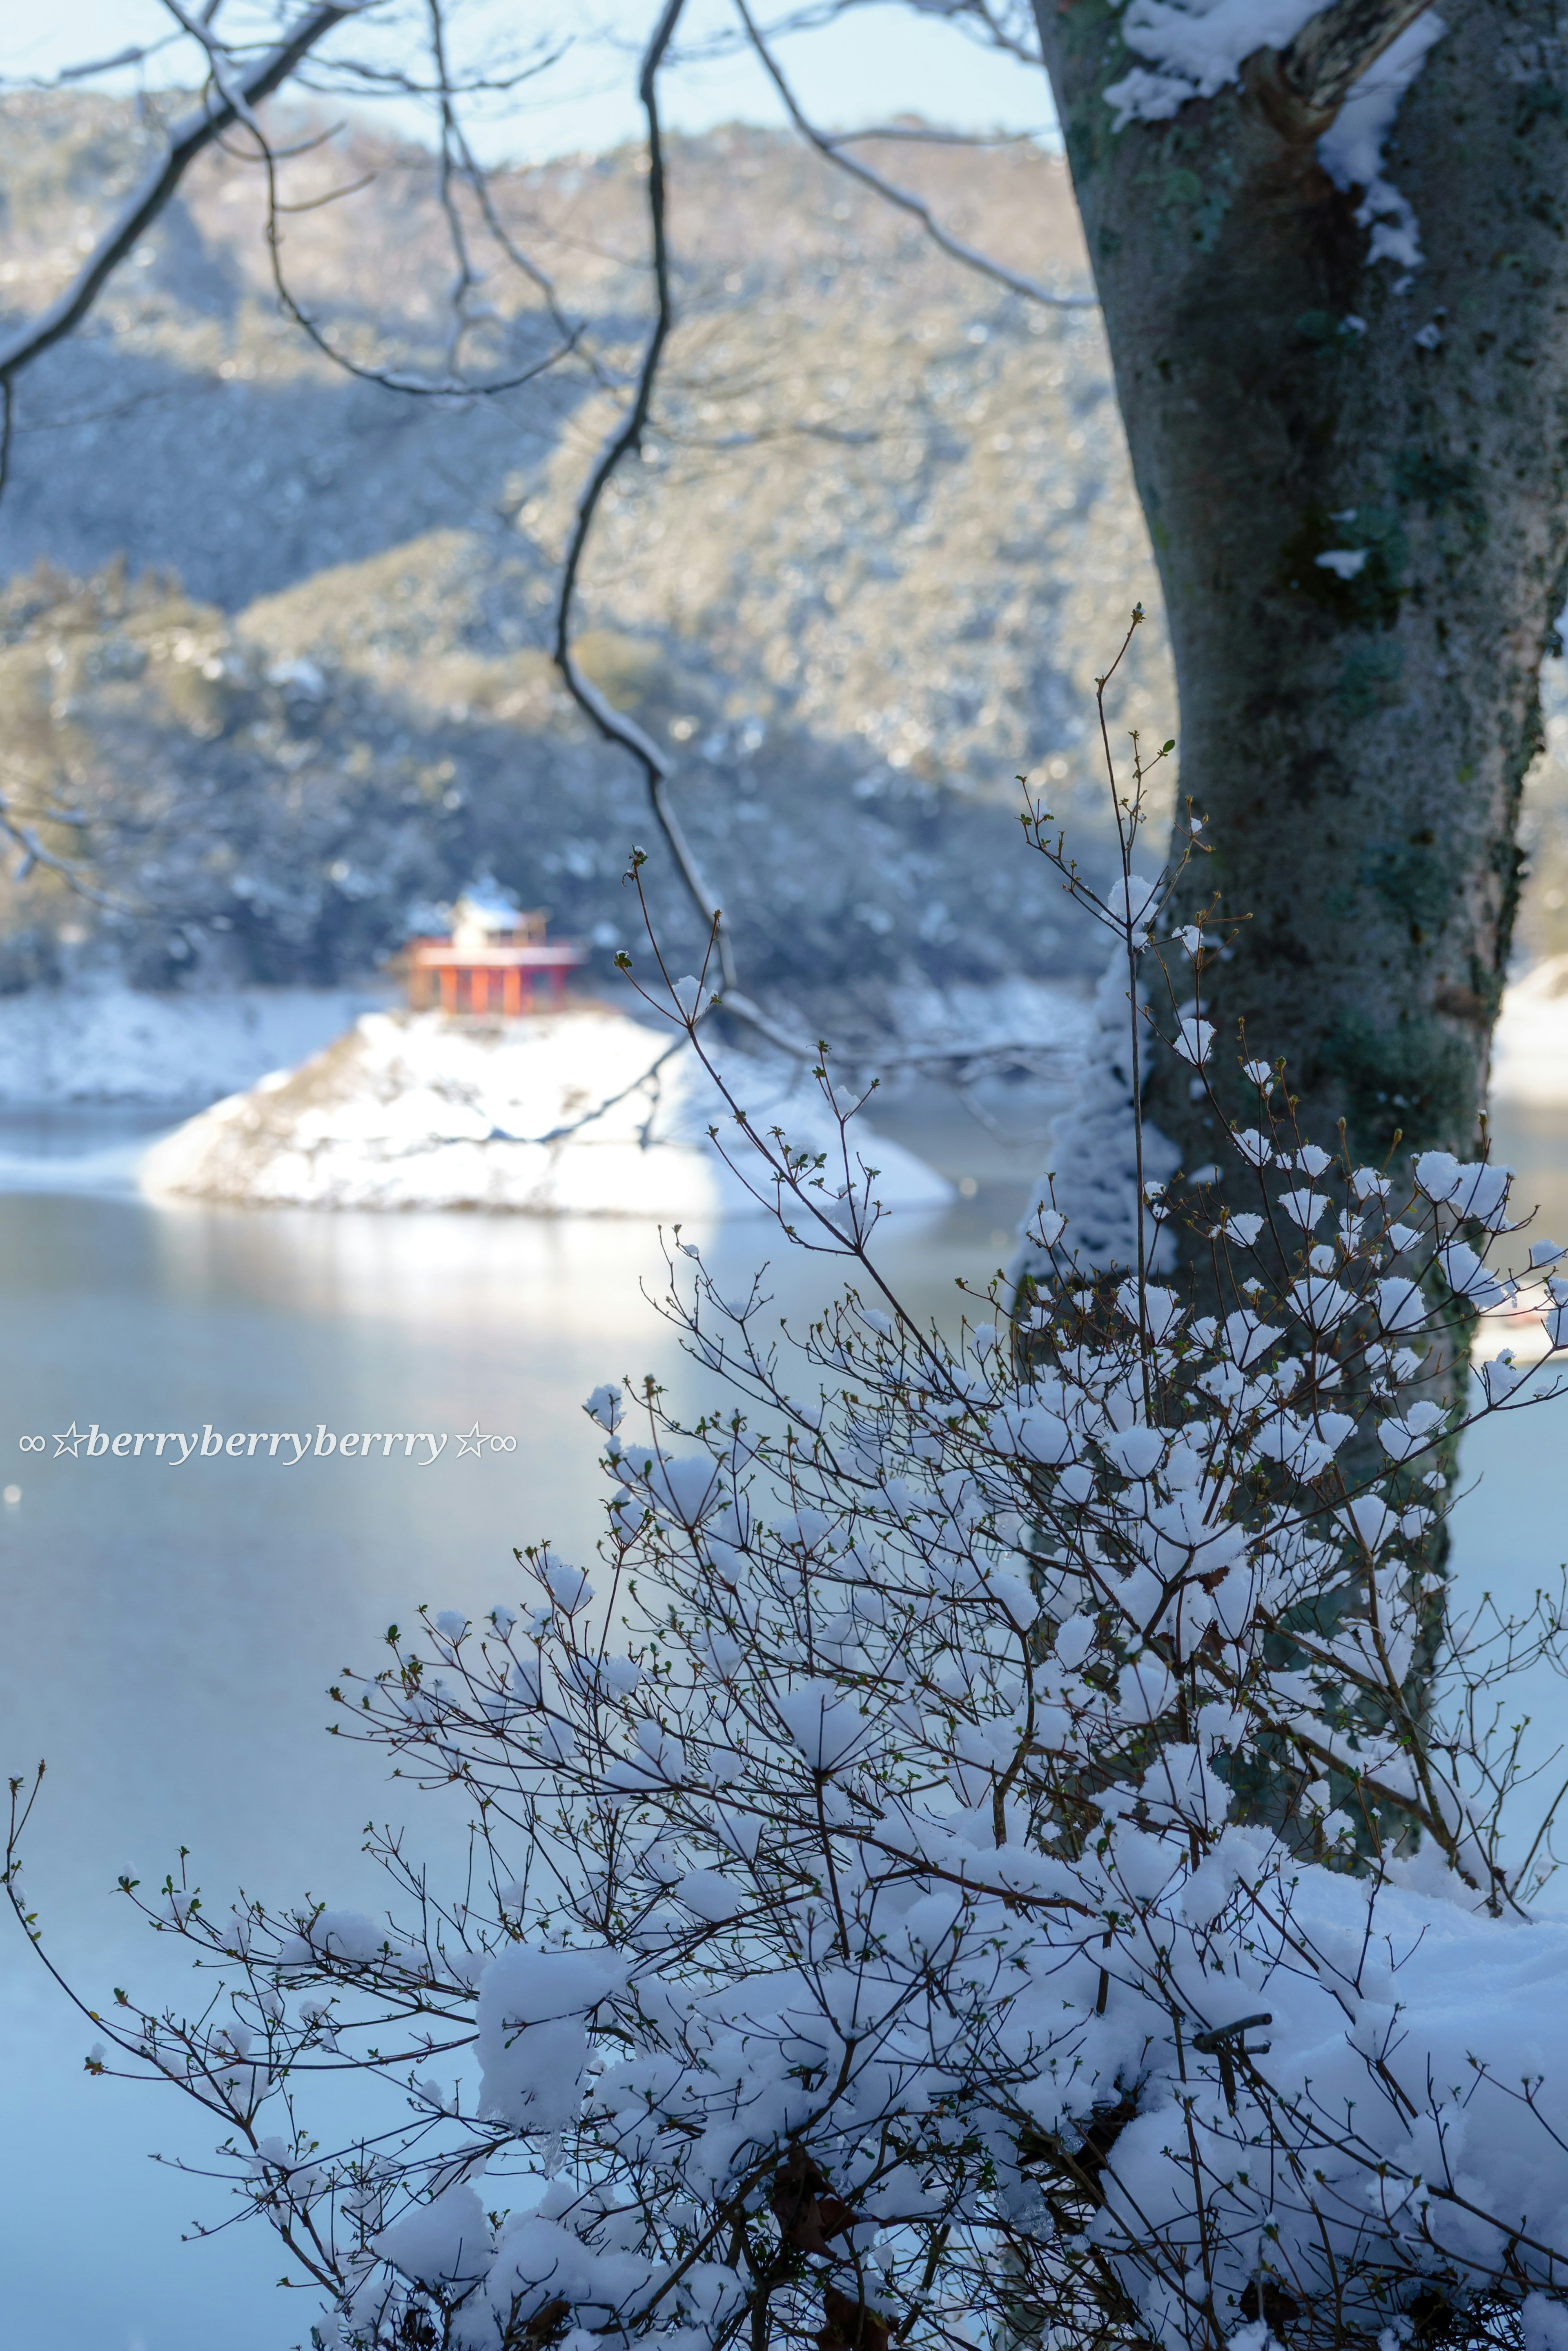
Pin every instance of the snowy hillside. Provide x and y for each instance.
(882, 540)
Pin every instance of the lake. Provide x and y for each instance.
(171, 1625)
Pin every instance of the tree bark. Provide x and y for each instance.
(1358, 744)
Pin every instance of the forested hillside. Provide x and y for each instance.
(274, 661)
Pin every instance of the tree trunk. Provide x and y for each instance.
(1357, 743)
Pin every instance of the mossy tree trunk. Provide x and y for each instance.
(1357, 743)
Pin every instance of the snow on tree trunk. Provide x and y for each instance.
(1092, 1184)
(1345, 406)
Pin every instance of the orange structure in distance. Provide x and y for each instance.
(497, 960)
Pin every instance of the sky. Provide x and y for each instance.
(881, 61)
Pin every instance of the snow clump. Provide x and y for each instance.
(1196, 49)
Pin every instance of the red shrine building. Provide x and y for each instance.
(497, 960)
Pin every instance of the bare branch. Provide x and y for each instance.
(977, 20)
(363, 73)
(467, 276)
(12, 828)
(333, 195)
(479, 181)
(455, 162)
(417, 386)
(131, 57)
(220, 63)
(988, 266)
(624, 437)
(188, 139)
(308, 146)
(627, 436)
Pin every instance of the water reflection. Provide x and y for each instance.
(170, 1630)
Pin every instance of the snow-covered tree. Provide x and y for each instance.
(1094, 1183)
(981, 1858)
(1330, 248)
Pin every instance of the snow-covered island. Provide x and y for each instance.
(583, 1111)
(328, 1097)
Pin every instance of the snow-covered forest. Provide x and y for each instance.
(296, 725)
(296, 733)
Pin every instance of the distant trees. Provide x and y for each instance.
(1333, 275)
(493, 321)
(238, 82)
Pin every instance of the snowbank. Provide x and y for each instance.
(112, 1043)
(1529, 1047)
(571, 1114)
(1042, 1024)
(124, 1044)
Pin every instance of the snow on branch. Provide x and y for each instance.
(1334, 75)
(1310, 57)
(1007, 1845)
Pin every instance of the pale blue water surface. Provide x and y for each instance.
(170, 1631)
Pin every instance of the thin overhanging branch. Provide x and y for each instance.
(454, 383)
(467, 276)
(197, 131)
(834, 150)
(120, 59)
(13, 827)
(454, 161)
(1333, 49)
(977, 20)
(220, 64)
(615, 726)
(624, 437)
(479, 182)
(921, 134)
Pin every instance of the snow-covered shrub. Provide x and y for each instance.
(984, 1854)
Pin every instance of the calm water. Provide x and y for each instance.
(170, 1629)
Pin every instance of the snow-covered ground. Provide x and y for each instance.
(115, 1044)
(579, 1112)
(118, 1044)
(1044, 1022)
(112, 1043)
